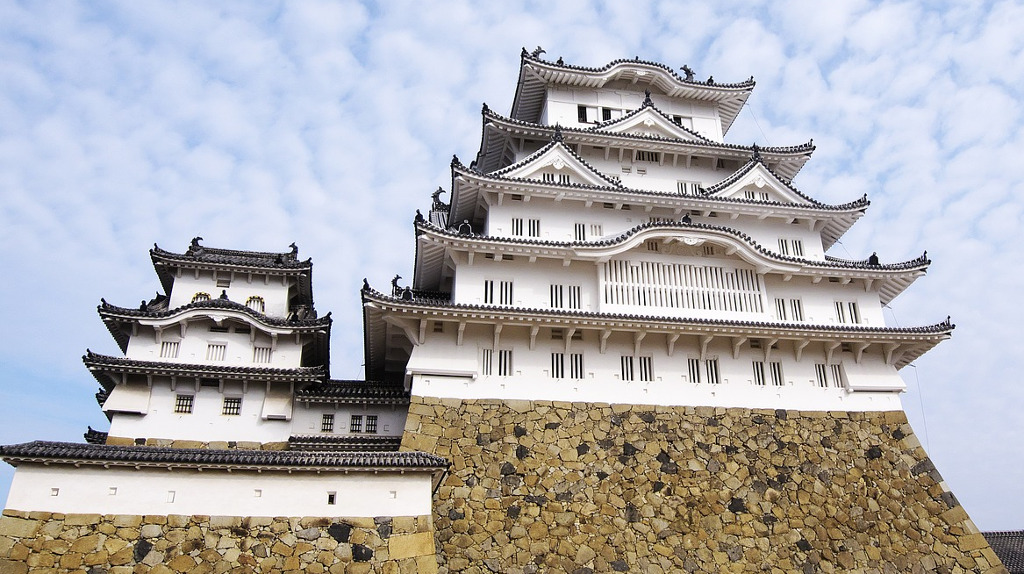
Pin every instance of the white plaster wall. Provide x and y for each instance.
(88, 490)
(274, 289)
(819, 299)
(286, 354)
(205, 423)
(671, 385)
(306, 418)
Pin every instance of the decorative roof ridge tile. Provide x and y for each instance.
(872, 261)
(97, 359)
(555, 141)
(647, 104)
(220, 303)
(749, 83)
(754, 161)
(803, 148)
(852, 205)
(610, 241)
(151, 455)
(353, 390)
(937, 328)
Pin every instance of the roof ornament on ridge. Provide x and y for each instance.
(419, 217)
(756, 155)
(436, 197)
(687, 72)
(194, 248)
(647, 98)
(537, 52)
(557, 136)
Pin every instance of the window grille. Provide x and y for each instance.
(371, 424)
(847, 312)
(198, 297)
(505, 363)
(557, 365)
(606, 114)
(837, 375)
(219, 329)
(216, 351)
(791, 247)
(693, 369)
(780, 309)
(169, 349)
(487, 362)
(647, 155)
(232, 406)
(796, 308)
(355, 423)
(821, 374)
(626, 368)
(517, 226)
(580, 232)
(756, 195)
(776, 373)
(489, 292)
(327, 423)
(758, 373)
(223, 283)
(548, 177)
(506, 293)
(682, 286)
(646, 368)
(575, 297)
(576, 366)
(183, 404)
(256, 303)
(711, 370)
(687, 187)
(654, 246)
(596, 230)
(261, 354)
(581, 114)
(563, 178)
(534, 228)
(557, 335)
(709, 250)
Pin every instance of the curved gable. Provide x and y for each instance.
(556, 164)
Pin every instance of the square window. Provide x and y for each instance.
(232, 406)
(332, 498)
(112, 491)
(183, 404)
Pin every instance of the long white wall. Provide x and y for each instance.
(307, 419)
(153, 491)
(868, 385)
(240, 339)
(274, 290)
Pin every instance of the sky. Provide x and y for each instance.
(256, 124)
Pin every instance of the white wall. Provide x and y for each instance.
(88, 490)
(306, 418)
(602, 380)
(274, 289)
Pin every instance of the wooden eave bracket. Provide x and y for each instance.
(737, 342)
(670, 341)
(604, 339)
(704, 341)
(638, 337)
(534, 329)
(889, 350)
(830, 348)
(798, 348)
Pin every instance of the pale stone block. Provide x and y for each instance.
(18, 527)
(410, 545)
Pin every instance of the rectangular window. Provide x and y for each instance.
(563, 178)
(646, 368)
(580, 232)
(517, 225)
(647, 155)
(575, 297)
(796, 309)
(775, 368)
(223, 283)
(169, 349)
(489, 292)
(756, 195)
(371, 424)
(216, 351)
(606, 114)
(837, 375)
(232, 406)
(709, 250)
(653, 246)
(792, 247)
(821, 374)
(261, 354)
(780, 309)
(332, 498)
(581, 114)
(505, 363)
(576, 366)
(534, 227)
(626, 368)
(687, 187)
(487, 362)
(557, 299)
(596, 230)
(847, 312)
(711, 370)
(693, 368)
(355, 424)
(327, 422)
(758, 373)
(506, 293)
(183, 404)
(557, 365)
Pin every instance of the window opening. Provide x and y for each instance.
(198, 297)
(232, 406)
(261, 354)
(256, 303)
(327, 422)
(355, 424)
(169, 349)
(183, 404)
(505, 363)
(626, 368)
(371, 424)
(216, 351)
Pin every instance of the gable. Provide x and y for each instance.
(758, 183)
(556, 164)
(648, 122)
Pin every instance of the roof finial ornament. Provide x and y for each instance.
(756, 156)
(711, 80)
(557, 136)
(419, 217)
(436, 197)
(142, 306)
(537, 52)
(485, 108)
(686, 219)
(688, 72)
(366, 285)
(647, 98)
(465, 228)
(294, 253)
(224, 294)
(455, 159)
(395, 290)
(560, 61)
(194, 248)
(873, 260)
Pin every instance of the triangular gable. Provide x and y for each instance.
(556, 163)
(754, 181)
(648, 121)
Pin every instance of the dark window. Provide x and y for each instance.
(183, 404)
(327, 423)
(232, 406)
(356, 424)
(371, 424)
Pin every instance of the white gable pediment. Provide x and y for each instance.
(558, 165)
(649, 122)
(760, 184)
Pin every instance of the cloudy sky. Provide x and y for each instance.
(255, 124)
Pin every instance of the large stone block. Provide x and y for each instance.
(18, 527)
(411, 545)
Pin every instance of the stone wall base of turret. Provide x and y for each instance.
(542, 486)
(123, 544)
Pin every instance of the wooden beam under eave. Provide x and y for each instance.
(670, 341)
(705, 340)
(533, 335)
(858, 351)
(737, 342)
(604, 339)
(798, 348)
(462, 331)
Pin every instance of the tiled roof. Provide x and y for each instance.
(343, 443)
(74, 453)
(749, 83)
(197, 253)
(920, 262)
(354, 391)
(107, 310)
(1009, 547)
(647, 104)
(98, 363)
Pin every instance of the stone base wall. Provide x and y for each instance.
(123, 544)
(175, 443)
(579, 487)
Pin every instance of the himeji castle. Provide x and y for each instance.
(624, 347)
